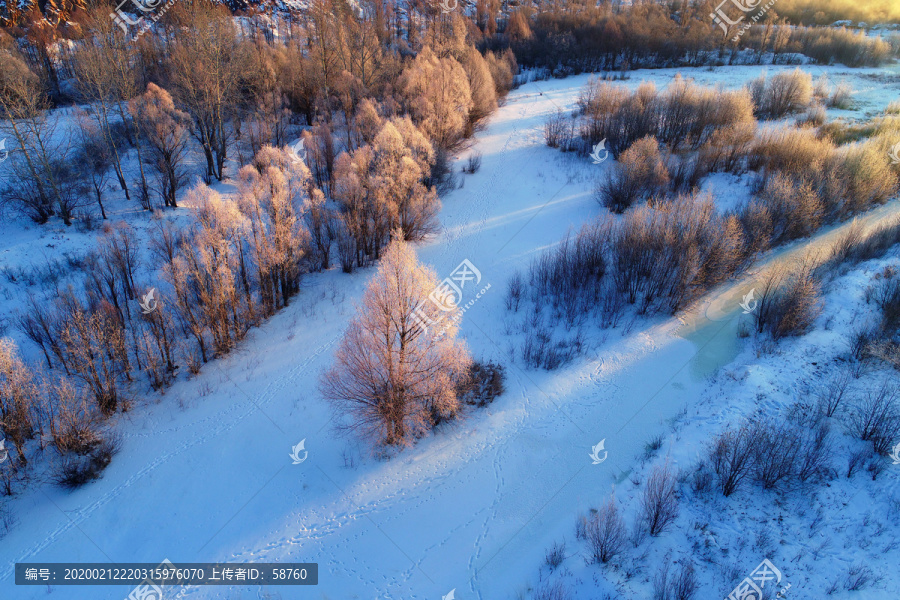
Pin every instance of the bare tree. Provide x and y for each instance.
(206, 273)
(94, 159)
(206, 67)
(23, 109)
(392, 377)
(108, 74)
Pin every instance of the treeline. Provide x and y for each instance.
(589, 38)
(204, 82)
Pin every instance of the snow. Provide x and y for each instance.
(204, 473)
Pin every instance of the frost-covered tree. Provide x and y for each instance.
(402, 160)
(481, 83)
(18, 397)
(273, 194)
(392, 377)
(165, 128)
(381, 187)
(437, 93)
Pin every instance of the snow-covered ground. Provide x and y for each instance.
(204, 473)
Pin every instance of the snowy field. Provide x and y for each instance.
(204, 473)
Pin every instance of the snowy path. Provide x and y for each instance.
(205, 473)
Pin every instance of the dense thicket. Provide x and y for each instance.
(377, 110)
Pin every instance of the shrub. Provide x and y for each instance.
(555, 555)
(682, 586)
(75, 471)
(783, 94)
(74, 426)
(552, 590)
(841, 97)
(831, 394)
(605, 532)
(515, 287)
(683, 114)
(473, 163)
(19, 399)
(829, 45)
(788, 303)
(653, 446)
(482, 384)
(886, 295)
(663, 255)
(777, 453)
(794, 206)
(856, 246)
(859, 178)
(728, 146)
(796, 152)
(540, 351)
(557, 131)
(815, 452)
(733, 456)
(570, 274)
(814, 116)
(639, 175)
(659, 503)
(860, 577)
(857, 459)
(876, 418)
(686, 173)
